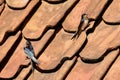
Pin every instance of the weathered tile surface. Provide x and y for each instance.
(16, 17)
(56, 75)
(47, 14)
(6, 47)
(105, 65)
(103, 38)
(113, 73)
(92, 9)
(112, 13)
(94, 55)
(61, 46)
(20, 58)
(17, 3)
(89, 71)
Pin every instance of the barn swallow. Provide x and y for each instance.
(28, 49)
(83, 24)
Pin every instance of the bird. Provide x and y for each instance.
(83, 24)
(28, 49)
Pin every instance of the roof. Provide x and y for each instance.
(49, 25)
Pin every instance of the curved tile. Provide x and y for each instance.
(57, 75)
(114, 71)
(11, 19)
(17, 3)
(112, 13)
(92, 9)
(103, 38)
(47, 14)
(4, 49)
(19, 57)
(61, 47)
(84, 71)
(73, 19)
(105, 65)
(14, 62)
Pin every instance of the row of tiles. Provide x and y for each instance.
(69, 47)
(55, 48)
(37, 24)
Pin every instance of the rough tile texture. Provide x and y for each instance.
(50, 25)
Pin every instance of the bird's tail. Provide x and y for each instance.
(34, 60)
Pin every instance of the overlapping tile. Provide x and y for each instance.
(103, 38)
(19, 58)
(113, 73)
(47, 14)
(92, 9)
(104, 66)
(6, 47)
(17, 3)
(57, 75)
(85, 71)
(112, 13)
(10, 19)
(62, 46)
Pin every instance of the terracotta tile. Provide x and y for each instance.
(15, 61)
(82, 71)
(23, 73)
(57, 75)
(20, 57)
(92, 9)
(60, 47)
(114, 71)
(11, 23)
(104, 65)
(95, 8)
(6, 47)
(112, 13)
(17, 3)
(47, 14)
(73, 19)
(89, 71)
(103, 38)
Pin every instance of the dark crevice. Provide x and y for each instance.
(99, 18)
(49, 41)
(111, 23)
(70, 69)
(81, 48)
(10, 53)
(14, 8)
(55, 2)
(68, 11)
(3, 8)
(30, 15)
(102, 78)
(4, 39)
